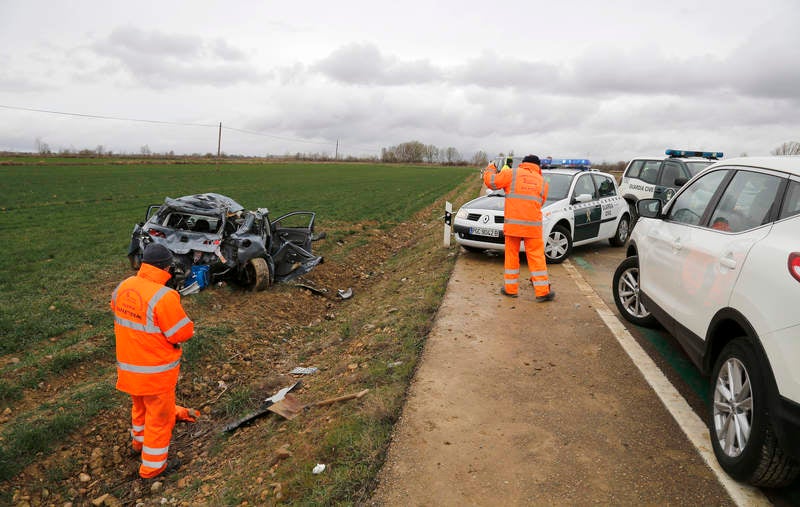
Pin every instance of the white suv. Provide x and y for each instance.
(660, 177)
(718, 266)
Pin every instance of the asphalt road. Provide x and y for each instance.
(597, 263)
(519, 403)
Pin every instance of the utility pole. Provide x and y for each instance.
(219, 144)
(336, 156)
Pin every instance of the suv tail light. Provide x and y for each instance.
(794, 265)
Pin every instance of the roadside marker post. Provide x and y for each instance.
(448, 220)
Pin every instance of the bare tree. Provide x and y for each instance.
(42, 148)
(452, 155)
(145, 150)
(789, 148)
(480, 159)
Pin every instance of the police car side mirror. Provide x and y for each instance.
(681, 181)
(649, 208)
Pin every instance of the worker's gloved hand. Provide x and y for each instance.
(186, 414)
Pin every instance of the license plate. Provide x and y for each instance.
(483, 231)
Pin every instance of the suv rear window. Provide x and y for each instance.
(791, 203)
(634, 169)
(650, 171)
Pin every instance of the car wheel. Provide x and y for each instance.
(558, 245)
(257, 274)
(621, 236)
(633, 212)
(136, 260)
(626, 293)
(741, 434)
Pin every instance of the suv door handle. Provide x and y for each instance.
(728, 261)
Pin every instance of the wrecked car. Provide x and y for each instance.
(214, 238)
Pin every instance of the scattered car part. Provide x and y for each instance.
(290, 407)
(275, 398)
(345, 294)
(300, 370)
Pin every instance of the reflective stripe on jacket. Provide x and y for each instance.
(149, 322)
(526, 192)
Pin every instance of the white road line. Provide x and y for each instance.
(690, 423)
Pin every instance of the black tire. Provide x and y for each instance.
(739, 423)
(558, 245)
(623, 232)
(633, 212)
(257, 275)
(625, 288)
(136, 260)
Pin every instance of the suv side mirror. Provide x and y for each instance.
(649, 208)
(681, 181)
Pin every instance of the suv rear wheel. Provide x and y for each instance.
(625, 288)
(743, 439)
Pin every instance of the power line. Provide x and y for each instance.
(108, 117)
(273, 136)
(182, 124)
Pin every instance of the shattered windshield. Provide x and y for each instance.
(180, 220)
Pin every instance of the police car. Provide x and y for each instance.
(583, 206)
(660, 177)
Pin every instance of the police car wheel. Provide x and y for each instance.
(558, 245)
(623, 231)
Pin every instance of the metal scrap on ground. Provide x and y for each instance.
(275, 398)
(290, 407)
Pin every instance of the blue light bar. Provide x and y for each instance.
(580, 163)
(690, 153)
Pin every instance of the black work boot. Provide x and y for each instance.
(503, 292)
(547, 297)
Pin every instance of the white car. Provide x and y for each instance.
(660, 177)
(582, 207)
(718, 266)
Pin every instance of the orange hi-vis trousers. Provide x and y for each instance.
(153, 418)
(534, 252)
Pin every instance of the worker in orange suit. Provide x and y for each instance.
(150, 324)
(526, 192)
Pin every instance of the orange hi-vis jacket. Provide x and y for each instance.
(526, 192)
(149, 323)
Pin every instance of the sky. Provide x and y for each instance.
(607, 81)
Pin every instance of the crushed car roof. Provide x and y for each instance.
(204, 203)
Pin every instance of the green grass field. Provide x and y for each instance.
(63, 222)
(65, 227)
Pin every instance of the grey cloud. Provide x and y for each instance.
(490, 70)
(159, 60)
(364, 64)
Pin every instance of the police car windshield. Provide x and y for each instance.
(558, 185)
(696, 167)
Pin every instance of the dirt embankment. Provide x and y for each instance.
(245, 345)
